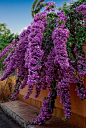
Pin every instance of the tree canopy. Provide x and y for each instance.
(36, 7)
(4, 30)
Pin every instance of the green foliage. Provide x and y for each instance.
(33, 6)
(59, 8)
(5, 40)
(64, 4)
(4, 30)
(40, 106)
(77, 34)
(28, 123)
(37, 113)
(44, 98)
(51, 20)
(77, 3)
(66, 119)
(36, 7)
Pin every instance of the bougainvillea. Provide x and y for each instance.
(49, 55)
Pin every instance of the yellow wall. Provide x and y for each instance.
(8, 88)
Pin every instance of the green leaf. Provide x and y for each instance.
(9, 97)
(37, 113)
(65, 9)
(60, 8)
(28, 123)
(81, 99)
(44, 98)
(14, 90)
(40, 106)
(67, 119)
(38, 63)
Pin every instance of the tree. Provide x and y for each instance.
(36, 7)
(4, 30)
(5, 40)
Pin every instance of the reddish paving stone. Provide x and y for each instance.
(28, 112)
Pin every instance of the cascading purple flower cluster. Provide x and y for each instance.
(47, 109)
(49, 64)
(61, 18)
(8, 48)
(81, 68)
(81, 9)
(49, 6)
(14, 60)
(59, 37)
(34, 52)
(81, 65)
(46, 67)
(63, 91)
(80, 90)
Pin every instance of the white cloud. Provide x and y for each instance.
(68, 3)
(19, 31)
(24, 28)
(71, 1)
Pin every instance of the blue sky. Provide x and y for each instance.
(17, 13)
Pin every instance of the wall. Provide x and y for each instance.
(10, 82)
(78, 117)
(78, 107)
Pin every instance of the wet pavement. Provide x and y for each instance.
(6, 121)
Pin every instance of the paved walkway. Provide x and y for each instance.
(22, 112)
(7, 122)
